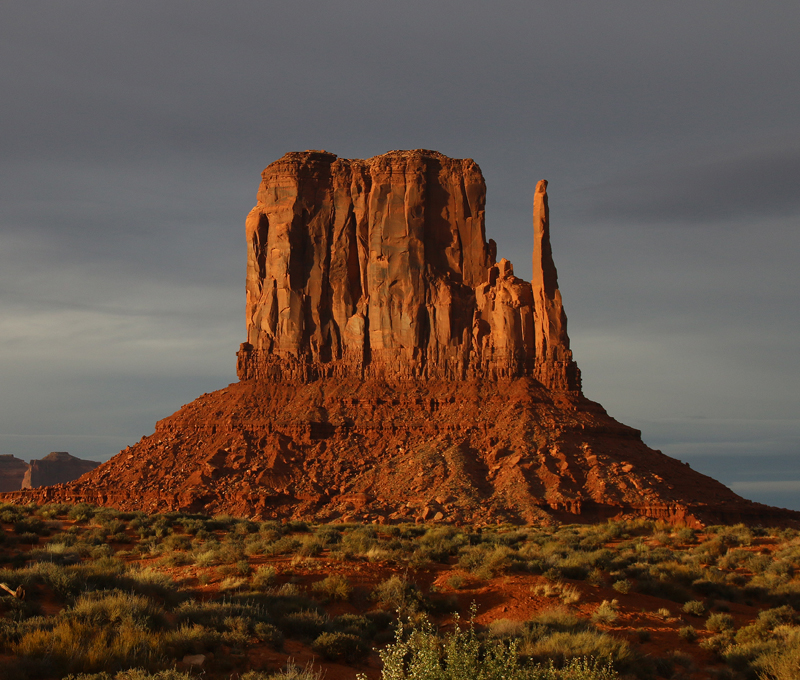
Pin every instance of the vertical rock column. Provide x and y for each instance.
(554, 366)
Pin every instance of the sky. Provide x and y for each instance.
(133, 134)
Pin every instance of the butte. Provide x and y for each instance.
(395, 371)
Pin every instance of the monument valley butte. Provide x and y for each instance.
(395, 371)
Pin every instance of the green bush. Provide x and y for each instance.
(418, 652)
(719, 622)
(694, 607)
(264, 577)
(398, 594)
(623, 586)
(333, 587)
(268, 633)
(308, 623)
(341, 647)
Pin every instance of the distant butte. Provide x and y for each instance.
(395, 371)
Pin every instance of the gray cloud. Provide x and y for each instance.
(758, 184)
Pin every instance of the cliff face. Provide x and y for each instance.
(380, 268)
(56, 467)
(12, 472)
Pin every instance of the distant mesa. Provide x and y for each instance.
(395, 371)
(57, 467)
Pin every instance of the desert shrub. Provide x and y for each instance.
(732, 536)
(568, 594)
(506, 628)
(206, 558)
(560, 647)
(606, 612)
(151, 583)
(232, 583)
(264, 577)
(53, 510)
(643, 635)
(133, 674)
(664, 589)
(231, 553)
(687, 633)
(310, 546)
(31, 525)
(556, 619)
(268, 633)
(357, 542)
(192, 638)
(782, 660)
(105, 631)
(623, 586)
(398, 594)
(456, 581)
(487, 560)
(353, 624)
(82, 512)
(419, 652)
(439, 543)
(340, 646)
(308, 623)
(282, 546)
(719, 622)
(333, 587)
(694, 607)
(176, 559)
(213, 614)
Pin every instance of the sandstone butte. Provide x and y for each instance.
(55, 468)
(395, 371)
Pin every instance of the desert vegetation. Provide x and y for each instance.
(112, 595)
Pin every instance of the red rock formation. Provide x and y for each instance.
(57, 467)
(12, 471)
(380, 268)
(554, 365)
(394, 371)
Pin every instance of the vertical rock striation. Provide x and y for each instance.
(381, 268)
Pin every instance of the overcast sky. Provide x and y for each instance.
(133, 134)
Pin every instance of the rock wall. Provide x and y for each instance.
(381, 268)
(12, 472)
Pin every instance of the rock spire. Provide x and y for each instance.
(554, 365)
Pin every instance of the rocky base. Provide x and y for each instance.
(477, 452)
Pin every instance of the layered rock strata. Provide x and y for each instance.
(381, 268)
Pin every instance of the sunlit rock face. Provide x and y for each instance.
(381, 267)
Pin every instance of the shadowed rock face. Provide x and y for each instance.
(394, 371)
(380, 267)
(12, 471)
(57, 467)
